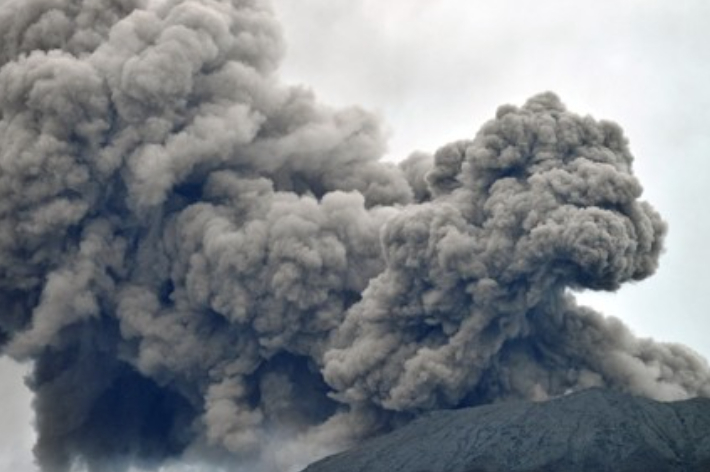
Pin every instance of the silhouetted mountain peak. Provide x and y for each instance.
(592, 430)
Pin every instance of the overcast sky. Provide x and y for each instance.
(436, 70)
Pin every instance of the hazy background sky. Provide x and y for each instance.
(436, 70)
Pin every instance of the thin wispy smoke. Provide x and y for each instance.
(208, 266)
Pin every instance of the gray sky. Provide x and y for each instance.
(436, 70)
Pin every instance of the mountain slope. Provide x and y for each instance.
(593, 430)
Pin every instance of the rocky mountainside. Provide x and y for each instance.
(593, 430)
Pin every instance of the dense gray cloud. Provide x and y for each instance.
(540, 201)
(206, 264)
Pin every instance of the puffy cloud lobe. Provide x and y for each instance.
(540, 201)
(77, 27)
(205, 264)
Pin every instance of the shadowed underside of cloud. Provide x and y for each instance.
(206, 264)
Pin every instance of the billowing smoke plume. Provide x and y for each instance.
(206, 264)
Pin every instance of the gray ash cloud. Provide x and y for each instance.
(205, 264)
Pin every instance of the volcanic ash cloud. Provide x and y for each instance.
(206, 265)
